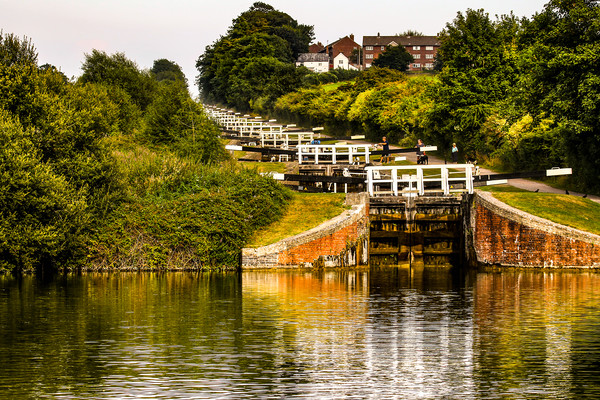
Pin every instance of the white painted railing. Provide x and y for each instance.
(332, 153)
(413, 180)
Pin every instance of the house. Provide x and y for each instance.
(346, 46)
(422, 48)
(316, 62)
(341, 61)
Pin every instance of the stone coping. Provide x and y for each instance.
(327, 228)
(488, 201)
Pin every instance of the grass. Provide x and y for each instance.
(305, 211)
(572, 211)
(265, 166)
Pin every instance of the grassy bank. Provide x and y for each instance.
(305, 211)
(573, 211)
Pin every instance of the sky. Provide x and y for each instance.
(63, 31)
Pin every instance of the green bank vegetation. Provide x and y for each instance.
(117, 169)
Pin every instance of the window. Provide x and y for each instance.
(382, 48)
(368, 47)
(416, 56)
(340, 61)
(416, 65)
(367, 65)
(429, 56)
(429, 65)
(368, 56)
(428, 47)
(416, 47)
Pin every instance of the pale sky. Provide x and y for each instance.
(179, 30)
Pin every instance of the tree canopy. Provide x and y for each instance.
(394, 57)
(254, 63)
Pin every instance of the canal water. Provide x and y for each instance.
(384, 333)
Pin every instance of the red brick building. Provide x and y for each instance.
(346, 46)
(422, 48)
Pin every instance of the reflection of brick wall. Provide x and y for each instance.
(506, 236)
(342, 241)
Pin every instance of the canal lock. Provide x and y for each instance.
(420, 231)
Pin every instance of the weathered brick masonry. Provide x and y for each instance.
(503, 235)
(342, 241)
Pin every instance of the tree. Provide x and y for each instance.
(174, 118)
(478, 75)
(394, 57)
(41, 215)
(165, 69)
(561, 78)
(117, 70)
(255, 60)
(14, 51)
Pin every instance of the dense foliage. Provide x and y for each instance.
(516, 94)
(119, 158)
(254, 63)
(394, 57)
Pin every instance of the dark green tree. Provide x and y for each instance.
(165, 69)
(16, 51)
(255, 59)
(394, 57)
(479, 72)
(561, 79)
(117, 70)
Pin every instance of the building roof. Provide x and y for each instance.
(313, 57)
(403, 40)
(316, 48)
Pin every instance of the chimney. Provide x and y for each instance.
(352, 36)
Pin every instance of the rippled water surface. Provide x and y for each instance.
(381, 333)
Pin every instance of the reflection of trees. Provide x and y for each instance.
(531, 335)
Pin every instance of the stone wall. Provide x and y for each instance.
(342, 241)
(502, 235)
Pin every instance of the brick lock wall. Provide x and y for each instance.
(338, 242)
(329, 245)
(503, 235)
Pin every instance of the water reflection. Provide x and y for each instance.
(379, 333)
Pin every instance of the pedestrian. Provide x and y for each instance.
(454, 153)
(385, 145)
(422, 158)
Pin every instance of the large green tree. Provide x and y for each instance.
(560, 79)
(252, 64)
(479, 73)
(117, 70)
(394, 57)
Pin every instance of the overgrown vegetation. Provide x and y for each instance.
(119, 169)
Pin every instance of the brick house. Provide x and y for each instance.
(422, 48)
(316, 48)
(345, 46)
(316, 62)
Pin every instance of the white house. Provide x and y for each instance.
(316, 62)
(341, 61)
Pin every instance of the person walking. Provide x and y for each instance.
(454, 153)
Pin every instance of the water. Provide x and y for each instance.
(389, 333)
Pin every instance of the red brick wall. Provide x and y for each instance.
(500, 239)
(333, 244)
